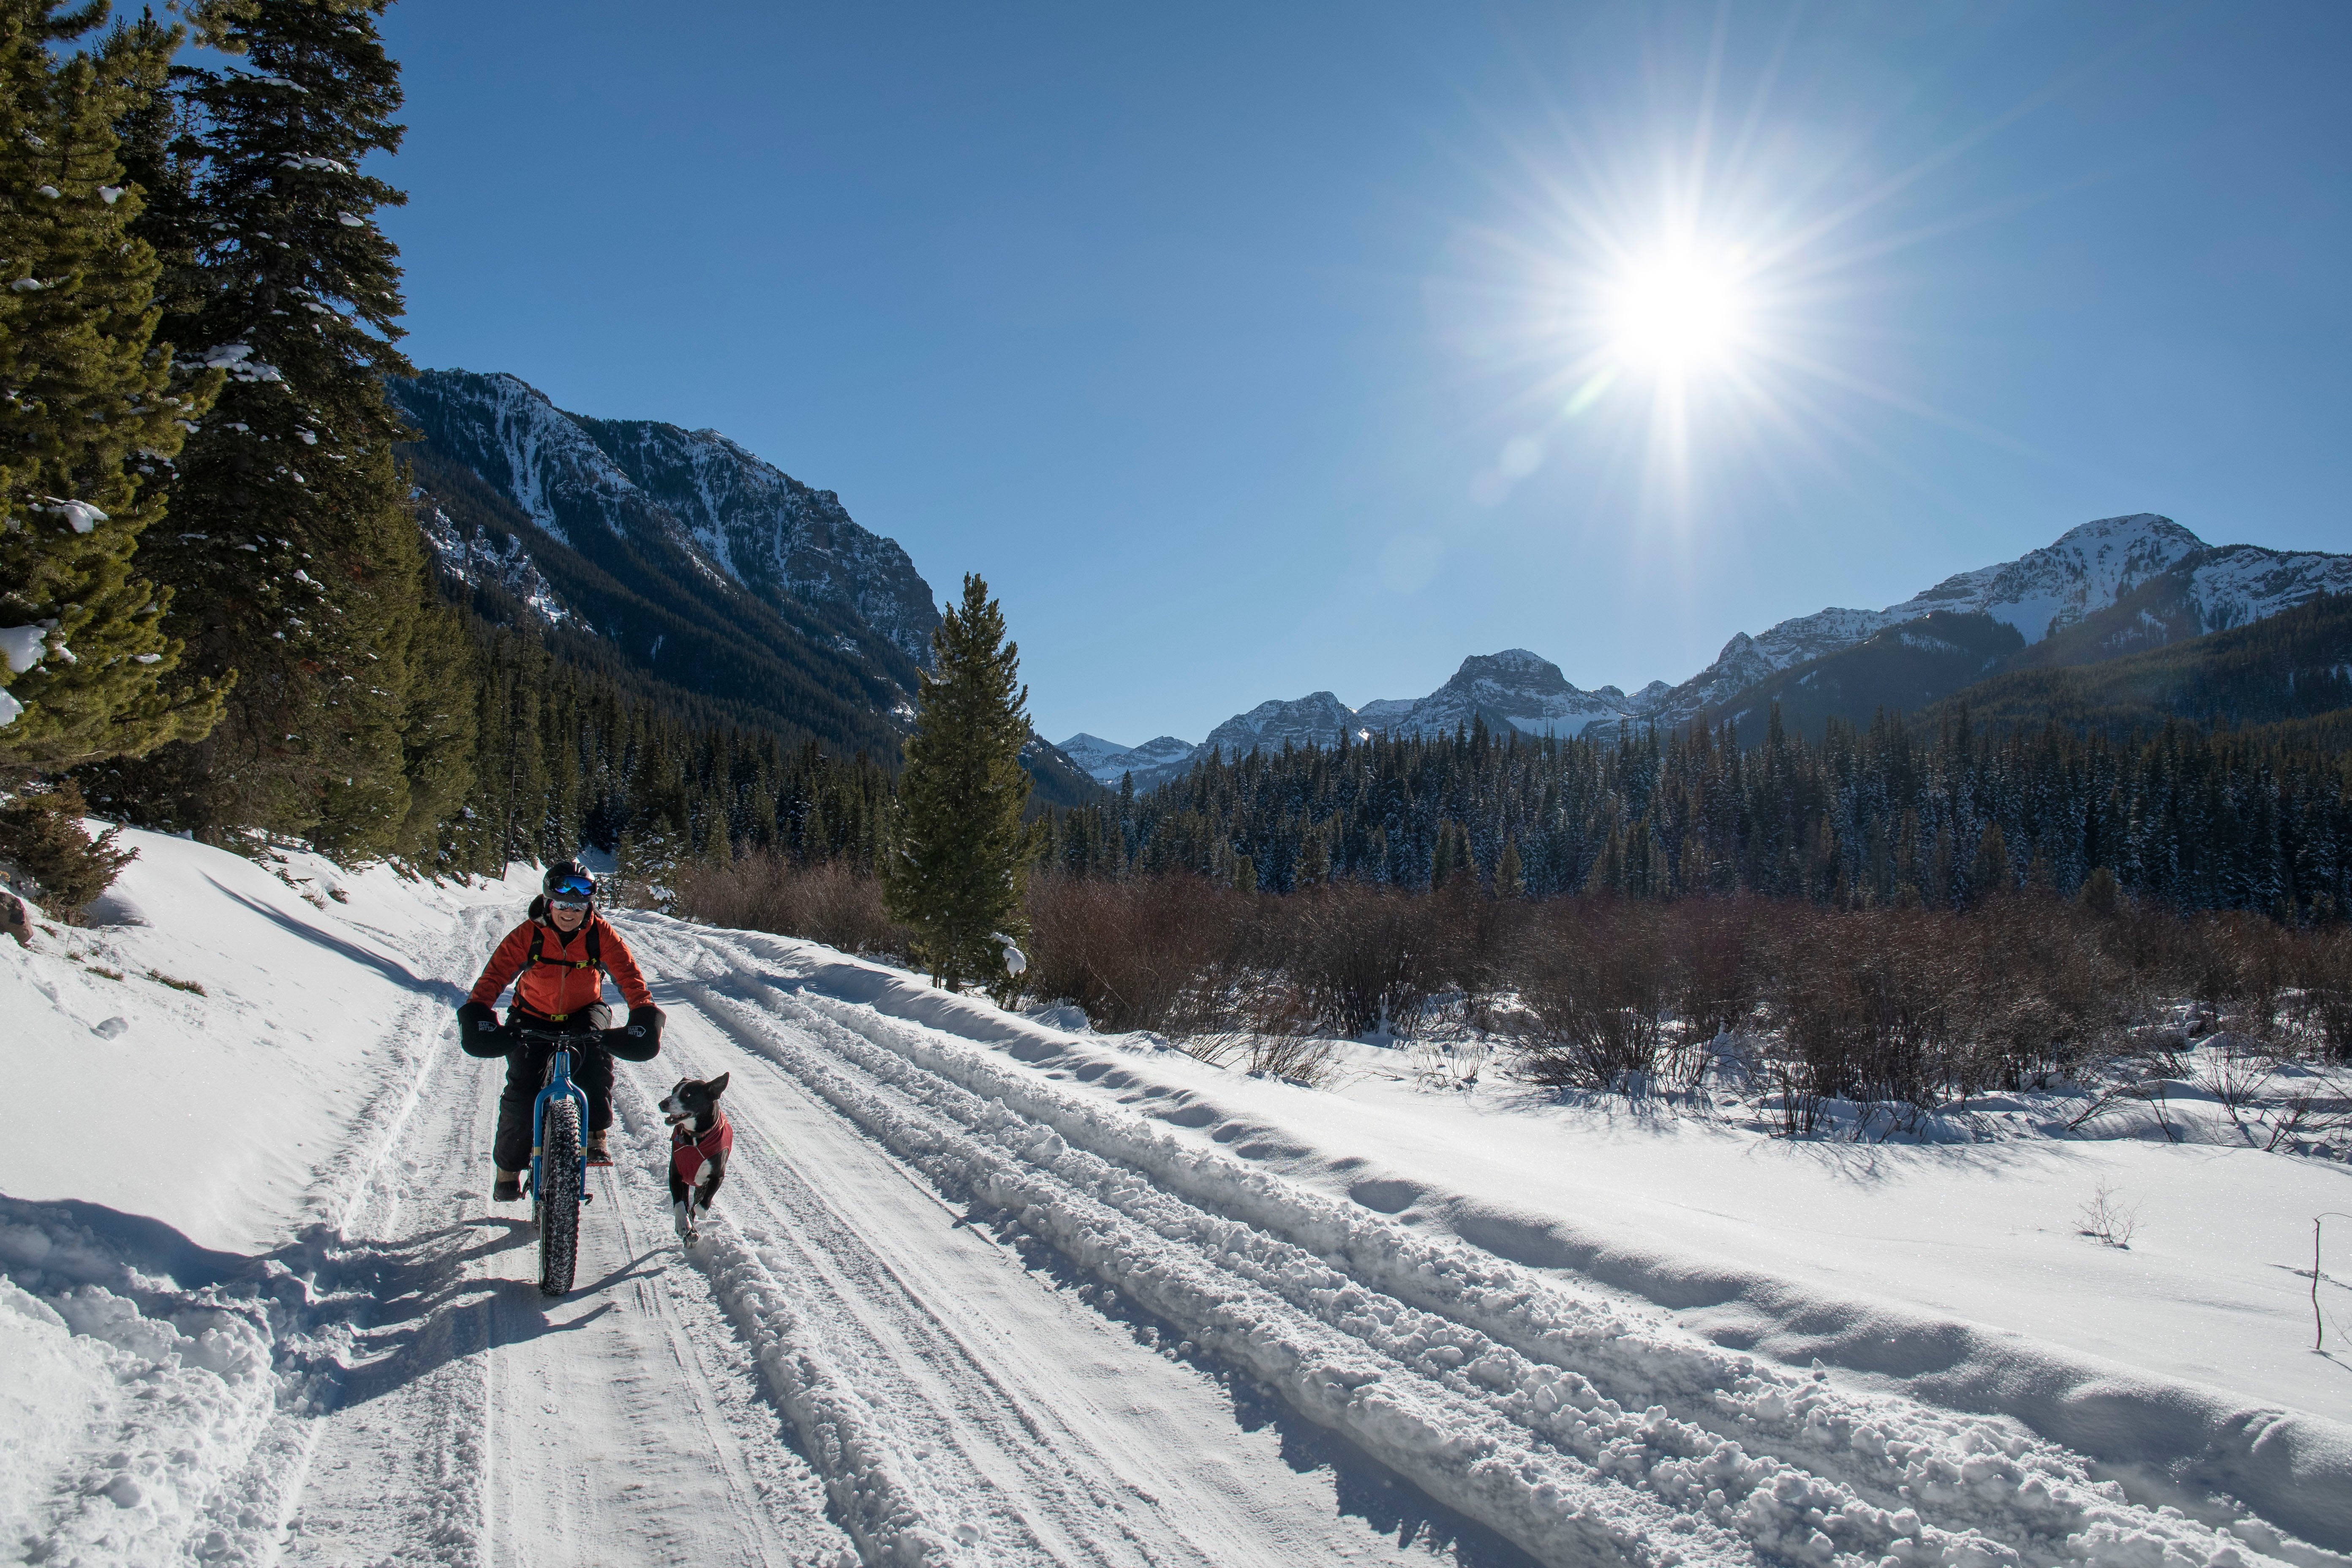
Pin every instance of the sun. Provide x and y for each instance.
(1676, 312)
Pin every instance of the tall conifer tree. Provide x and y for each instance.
(957, 873)
(88, 414)
(297, 561)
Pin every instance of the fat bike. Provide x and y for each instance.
(558, 1162)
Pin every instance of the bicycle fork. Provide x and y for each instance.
(559, 1082)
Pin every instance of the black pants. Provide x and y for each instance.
(592, 1069)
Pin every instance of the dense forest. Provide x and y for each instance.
(1938, 817)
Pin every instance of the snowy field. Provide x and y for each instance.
(985, 1290)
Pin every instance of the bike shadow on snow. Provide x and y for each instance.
(1362, 1487)
(421, 1305)
(346, 1321)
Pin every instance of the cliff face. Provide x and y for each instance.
(693, 493)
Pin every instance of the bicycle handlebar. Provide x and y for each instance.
(624, 1046)
(559, 1037)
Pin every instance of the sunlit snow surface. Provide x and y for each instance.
(983, 1291)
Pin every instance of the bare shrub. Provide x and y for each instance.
(2235, 1076)
(2318, 1016)
(2108, 1219)
(825, 901)
(1142, 955)
(1595, 981)
(1363, 957)
(1714, 968)
(2310, 1113)
(1871, 1007)
(1450, 1064)
(1302, 1058)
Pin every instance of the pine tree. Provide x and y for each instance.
(1510, 880)
(297, 559)
(42, 839)
(441, 724)
(1989, 874)
(957, 872)
(88, 412)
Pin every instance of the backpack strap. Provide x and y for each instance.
(595, 959)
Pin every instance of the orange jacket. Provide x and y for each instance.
(563, 982)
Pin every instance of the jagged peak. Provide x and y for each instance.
(1513, 667)
(2149, 523)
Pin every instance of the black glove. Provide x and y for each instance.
(480, 1033)
(641, 1040)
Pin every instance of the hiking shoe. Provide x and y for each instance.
(507, 1188)
(596, 1152)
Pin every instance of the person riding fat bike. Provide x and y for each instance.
(558, 959)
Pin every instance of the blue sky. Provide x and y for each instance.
(1251, 351)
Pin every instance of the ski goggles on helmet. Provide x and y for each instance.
(574, 886)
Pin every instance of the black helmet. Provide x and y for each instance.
(567, 878)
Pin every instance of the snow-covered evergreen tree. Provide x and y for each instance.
(299, 564)
(90, 415)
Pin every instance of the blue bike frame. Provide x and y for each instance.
(559, 1082)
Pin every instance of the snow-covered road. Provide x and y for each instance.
(954, 1308)
(853, 1365)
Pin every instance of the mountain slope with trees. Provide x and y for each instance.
(714, 574)
(2293, 666)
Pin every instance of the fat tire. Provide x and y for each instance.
(559, 1198)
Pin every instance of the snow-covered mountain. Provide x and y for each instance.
(1511, 690)
(478, 557)
(770, 531)
(1317, 719)
(2189, 587)
(1107, 761)
(700, 566)
(2084, 571)
(737, 517)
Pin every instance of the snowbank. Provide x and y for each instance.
(203, 1082)
(1956, 1275)
(196, 1055)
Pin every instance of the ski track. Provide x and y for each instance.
(950, 1312)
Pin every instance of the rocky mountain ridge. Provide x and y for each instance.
(695, 562)
(2108, 587)
(736, 517)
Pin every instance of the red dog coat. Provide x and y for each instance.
(687, 1153)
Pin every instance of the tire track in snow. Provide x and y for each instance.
(963, 1409)
(461, 1419)
(1845, 1478)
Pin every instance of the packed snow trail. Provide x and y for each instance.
(475, 1421)
(944, 1395)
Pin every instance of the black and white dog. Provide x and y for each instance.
(699, 1139)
